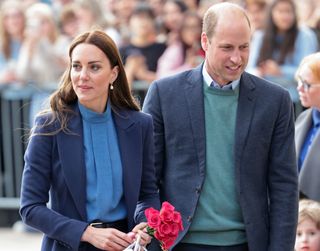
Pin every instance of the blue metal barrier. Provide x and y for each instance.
(14, 128)
(14, 125)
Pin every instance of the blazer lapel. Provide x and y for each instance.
(302, 126)
(309, 174)
(245, 111)
(72, 160)
(195, 107)
(129, 136)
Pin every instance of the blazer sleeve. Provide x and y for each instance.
(282, 180)
(152, 106)
(149, 196)
(36, 183)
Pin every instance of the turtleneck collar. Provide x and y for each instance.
(94, 117)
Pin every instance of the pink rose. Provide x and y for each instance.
(167, 243)
(166, 215)
(167, 206)
(153, 217)
(164, 225)
(177, 219)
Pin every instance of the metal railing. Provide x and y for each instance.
(14, 128)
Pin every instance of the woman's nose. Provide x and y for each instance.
(84, 73)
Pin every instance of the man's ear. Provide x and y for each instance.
(204, 41)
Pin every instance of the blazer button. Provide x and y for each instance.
(198, 189)
(189, 219)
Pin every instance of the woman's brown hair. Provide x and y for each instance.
(120, 97)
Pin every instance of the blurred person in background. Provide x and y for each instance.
(43, 55)
(305, 11)
(257, 10)
(192, 5)
(12, 24)
(122, 10)
(142, 53)
(186, 52)
(68, 22)
(92, 154)
(58, 5)
(90, 14)
(309, 15)
(205, 4)
(173, 13)
(307, 132)
(277, 51)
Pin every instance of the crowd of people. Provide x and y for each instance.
(236, 180)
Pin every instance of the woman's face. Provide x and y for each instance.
(14, 22)
(91, 74)
(283, 16)
(85, 18)
(172, 16)
(309, 95)
(191, 31)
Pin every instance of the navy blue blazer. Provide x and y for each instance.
(56, 163)
(265, 164)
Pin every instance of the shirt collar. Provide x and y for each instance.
(209, 81)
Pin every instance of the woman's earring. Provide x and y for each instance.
(111, 86)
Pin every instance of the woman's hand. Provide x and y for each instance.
(141, 229)
(109, 239)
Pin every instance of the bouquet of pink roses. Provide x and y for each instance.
(164, 225)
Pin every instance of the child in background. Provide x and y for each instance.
(308, 230)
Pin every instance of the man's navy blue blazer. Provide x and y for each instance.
(265, 163)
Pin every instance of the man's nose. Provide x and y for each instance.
(236, 56)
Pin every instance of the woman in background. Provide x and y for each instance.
(12, 24)
(186, 52)
(43, 55)
(277, 51)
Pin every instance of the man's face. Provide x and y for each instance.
(227, 51)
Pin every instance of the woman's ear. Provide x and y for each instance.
(114, 74)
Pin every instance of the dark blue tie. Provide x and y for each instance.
(305, 148)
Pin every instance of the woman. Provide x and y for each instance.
(277, 50)
(12, 24)
(91, 14)
(94, 152)
(43, 55)
(307, 127)
(186, 51)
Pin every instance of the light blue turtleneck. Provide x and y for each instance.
(105, 200)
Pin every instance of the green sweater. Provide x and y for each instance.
(218, 218)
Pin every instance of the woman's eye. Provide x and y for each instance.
(76, 67)
(95, 67)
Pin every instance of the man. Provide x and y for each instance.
(224, 146)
